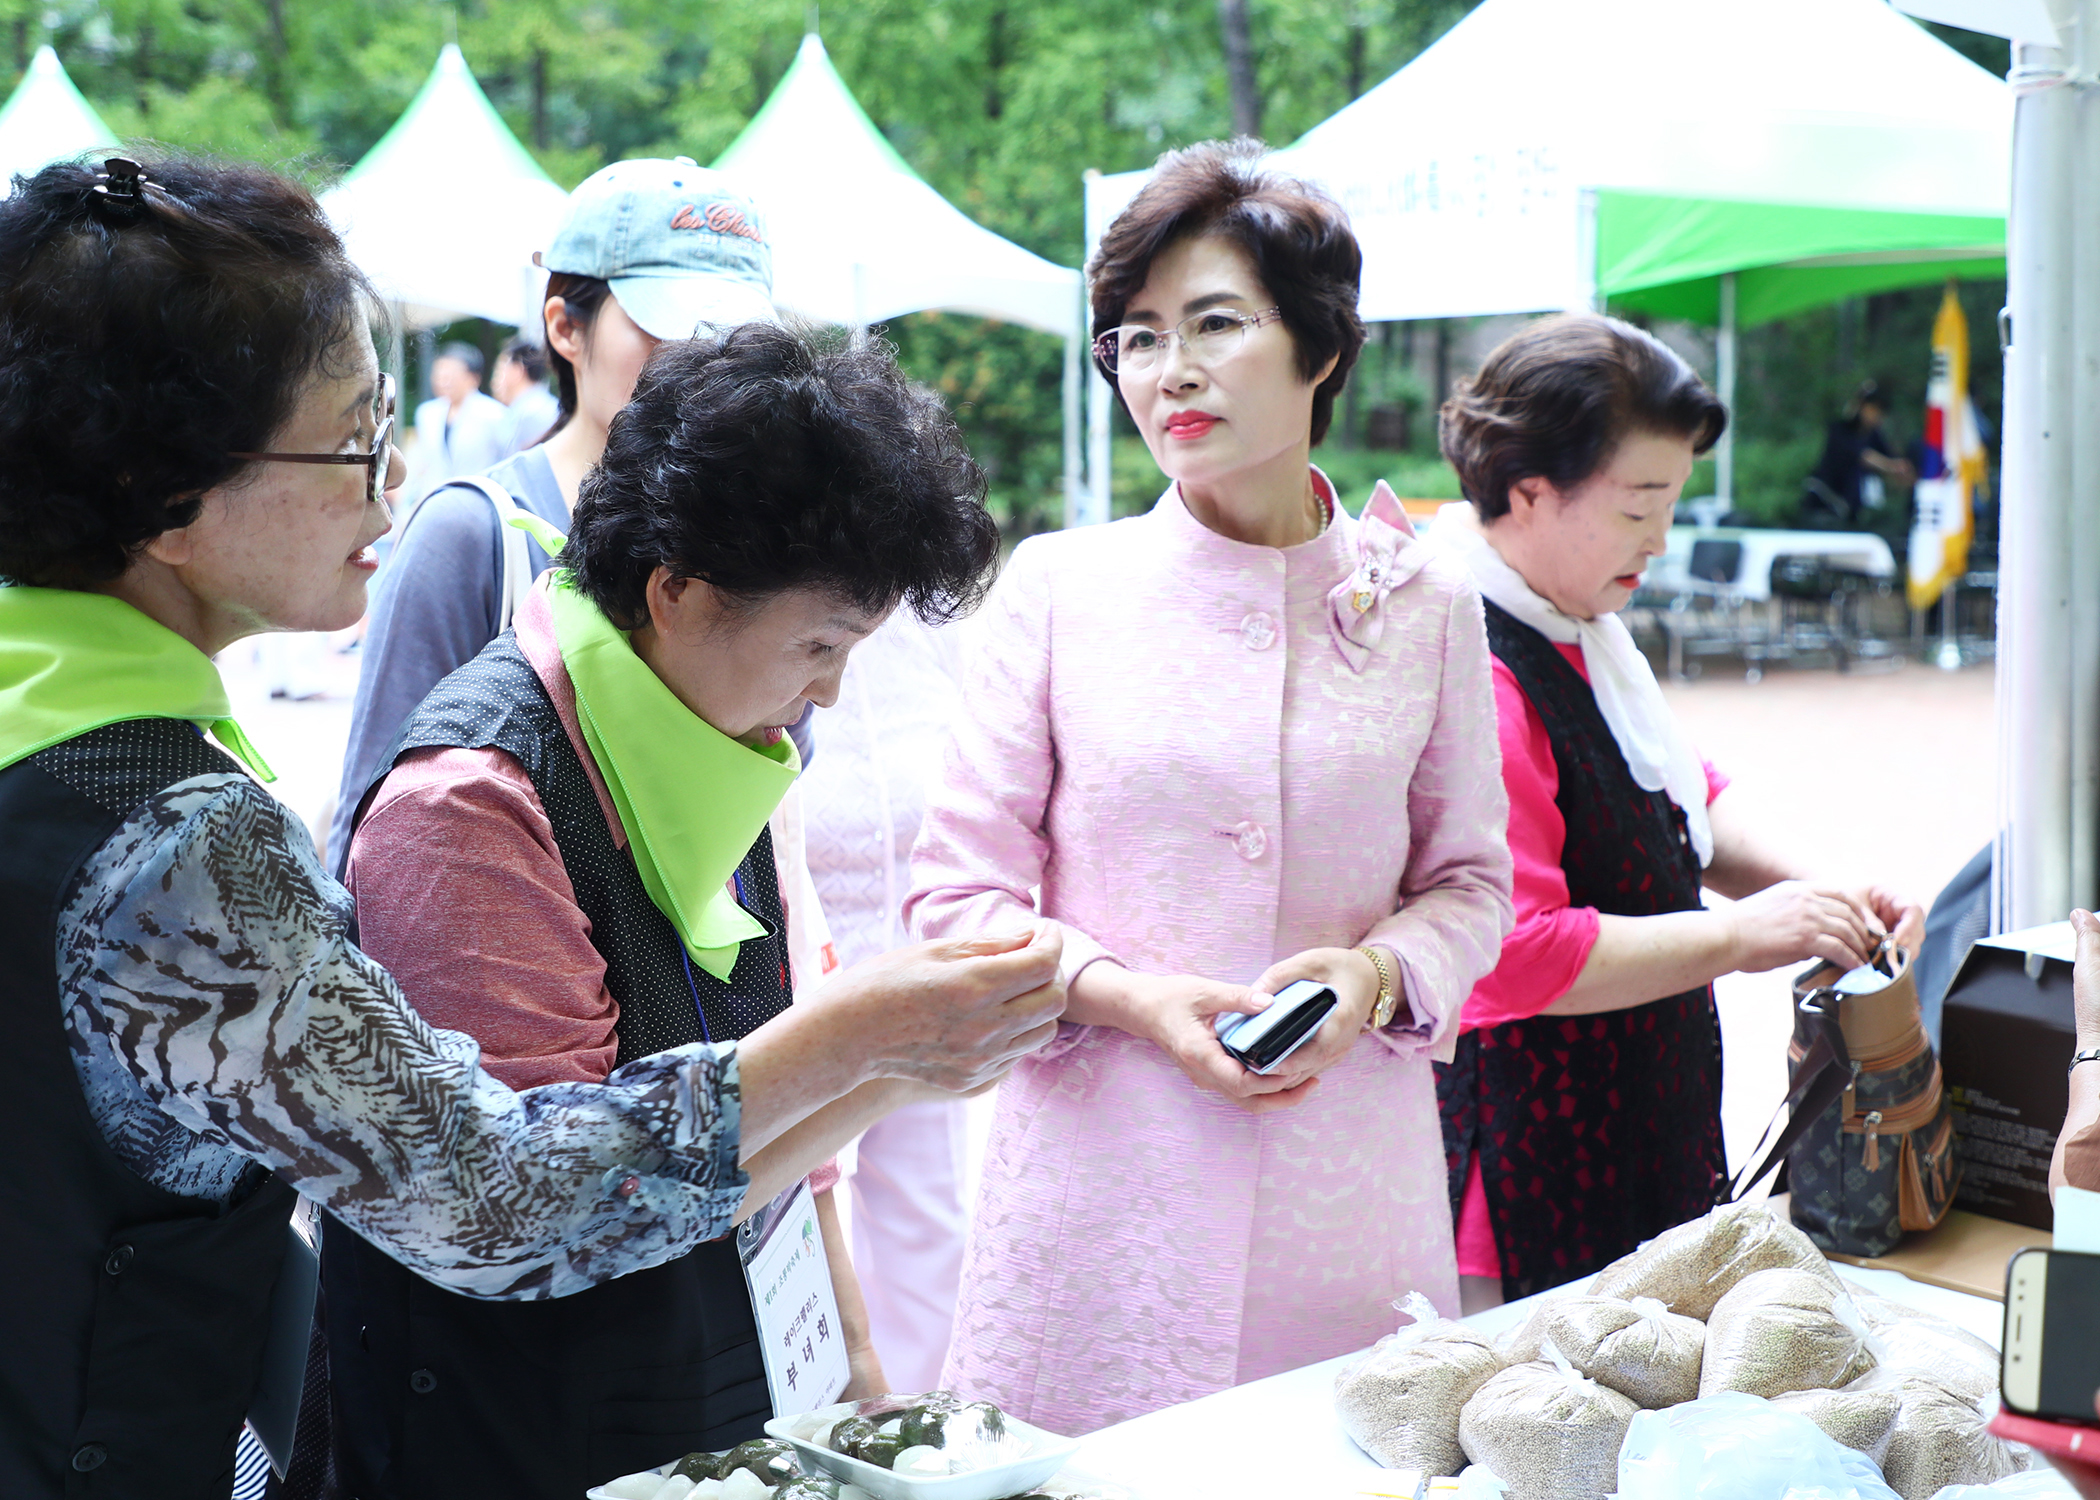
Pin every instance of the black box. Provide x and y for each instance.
(2006, 1039)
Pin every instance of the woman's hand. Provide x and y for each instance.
(865, 1377)
(1793, 921)
(957, 1014)
(1354, 980)
(1175, 1012)
(1899, 916)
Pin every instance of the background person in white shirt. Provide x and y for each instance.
(460, 429)
(520, 383)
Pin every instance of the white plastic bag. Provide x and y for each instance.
(1401, 1401)
(1739, 1447)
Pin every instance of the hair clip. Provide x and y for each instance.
(121, 180)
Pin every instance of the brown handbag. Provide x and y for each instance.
(1869, 1146)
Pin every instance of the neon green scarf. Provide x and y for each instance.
(72, 661)
(692, 799)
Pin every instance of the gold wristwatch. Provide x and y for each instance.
(1388, 992)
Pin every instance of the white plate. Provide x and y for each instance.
(1047, 1454)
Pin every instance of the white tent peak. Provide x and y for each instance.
(47, 119)
(859, 237)
(449, 120)
(445, 212)
(812, 92)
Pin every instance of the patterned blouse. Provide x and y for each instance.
(223, 1022)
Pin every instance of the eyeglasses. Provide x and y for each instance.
(375, 462)
(1209, 338)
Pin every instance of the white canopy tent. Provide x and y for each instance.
(859, 237)
(45, 120)
(1543, 155)
(445, 212)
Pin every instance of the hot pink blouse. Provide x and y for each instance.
(1544, 955)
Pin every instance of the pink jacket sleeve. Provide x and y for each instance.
(981, 850)
(1454, 907)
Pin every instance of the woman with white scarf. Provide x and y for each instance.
(1582, 1110)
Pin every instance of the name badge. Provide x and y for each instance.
(782, 1249)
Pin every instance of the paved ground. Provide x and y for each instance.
(1887, 776)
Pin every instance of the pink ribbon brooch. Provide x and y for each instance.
(1387, 556)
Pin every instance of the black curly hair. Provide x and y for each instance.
(143, 338)
(767, 458)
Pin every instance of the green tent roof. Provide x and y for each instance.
(1664, 255)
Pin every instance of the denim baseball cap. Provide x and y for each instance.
(679, 244)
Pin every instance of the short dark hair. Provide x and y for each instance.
(466, 354)
(1555, 400)
(581, 297)
(1298, 238)
(766, 458)
(142, 341)
(528, 357)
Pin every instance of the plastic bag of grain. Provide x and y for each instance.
(1638, 1348)
(1738, 1447)
(1401, 1401)
(1692, 1267)
(1859, 1418)
(2035, 1484)
(1784, 1330)
(1920, 1344)
(1548, 1431)
(1939, 1439)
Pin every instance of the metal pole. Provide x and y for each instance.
(1075, 447)
(1724, 379)
(1096, 507)
(2047, 837)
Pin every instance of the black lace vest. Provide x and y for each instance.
(440, 1395)
(1594, 1133)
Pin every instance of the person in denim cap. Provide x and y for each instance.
(649, 250)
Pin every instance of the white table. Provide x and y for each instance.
(1278, 1439)
(1859, 551)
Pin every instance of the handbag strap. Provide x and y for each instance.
(1821, 1080)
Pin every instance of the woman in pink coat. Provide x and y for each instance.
(1240, 740)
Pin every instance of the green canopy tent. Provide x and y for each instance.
(1705, 159)
(1671, 256)
(47, 120)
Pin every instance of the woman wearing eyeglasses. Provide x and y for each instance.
(193, 450)
(1243, 739)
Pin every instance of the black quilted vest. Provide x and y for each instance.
(1594, 1133)
(132, 1319)
(440, 1395)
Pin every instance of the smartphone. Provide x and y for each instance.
(2052, 1335)
(1262, 1042)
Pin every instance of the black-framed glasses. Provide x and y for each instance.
(375, 462)
(1209, 338)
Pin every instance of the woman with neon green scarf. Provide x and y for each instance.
(194, 449)
(570, 860)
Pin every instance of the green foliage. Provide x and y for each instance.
(999, 105)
